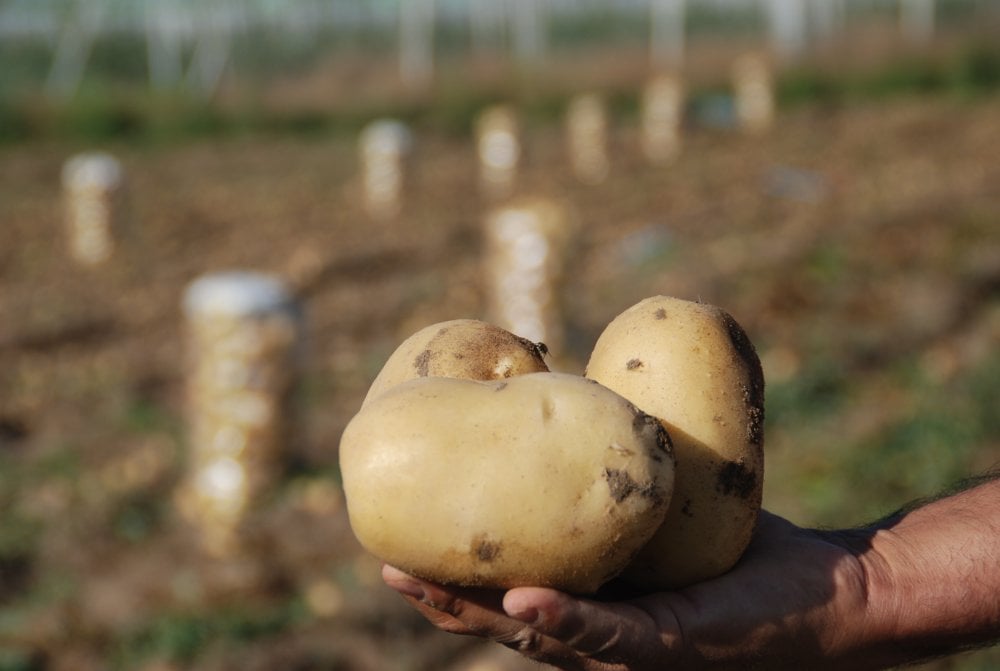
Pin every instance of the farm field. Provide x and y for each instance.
(857, 244)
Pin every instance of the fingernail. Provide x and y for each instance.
(409, 588)
(401, 582)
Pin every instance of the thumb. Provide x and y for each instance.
(611, 633)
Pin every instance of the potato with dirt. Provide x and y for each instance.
(693, 367)
(541, 479)
(460, 348)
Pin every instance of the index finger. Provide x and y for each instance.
(458, 610)
(478, 612)
(605, 632)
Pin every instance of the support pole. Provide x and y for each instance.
(667, 34)
(416, 43)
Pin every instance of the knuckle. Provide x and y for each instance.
(526, 641)
(536, 647)
(452, 626)
(444, 603)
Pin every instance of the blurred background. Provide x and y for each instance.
(826, 171)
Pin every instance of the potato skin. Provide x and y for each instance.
(543, 479)
(693, 367)
(459, 348)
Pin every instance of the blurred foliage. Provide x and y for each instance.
(608, 25)
(181, 637)
(927, 445)
(974, 70)
(815, 392)
(933, 444)
(108, 106)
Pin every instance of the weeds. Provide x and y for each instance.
(108, 106)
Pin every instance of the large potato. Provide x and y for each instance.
(543, 479)
(693, 367)
(460, 348)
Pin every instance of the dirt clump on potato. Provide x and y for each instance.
(556, 481)
(461, 348)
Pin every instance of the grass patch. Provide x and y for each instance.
(820, 390)
(936, 443)
(114, 106)
(19, 660)
(180, 638)
(973, 71)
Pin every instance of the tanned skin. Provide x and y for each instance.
(920, 584)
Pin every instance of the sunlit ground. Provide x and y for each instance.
(856, 242)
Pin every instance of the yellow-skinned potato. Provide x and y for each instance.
(693, 367)
(542, 479)
(460, 348)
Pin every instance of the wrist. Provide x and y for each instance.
(883, 614)
(931, 579)
(861, 620)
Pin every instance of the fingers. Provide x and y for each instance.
(402, 582)
(547, 625)
(611, 633)
(479, 612)
(429, 599)
(456, 610)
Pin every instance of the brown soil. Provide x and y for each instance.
(859, 234)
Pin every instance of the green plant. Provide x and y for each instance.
(181, 637)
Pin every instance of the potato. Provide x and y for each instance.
(693, 367)
(460, 348)
(542, 479)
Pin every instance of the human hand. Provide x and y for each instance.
(797, 599)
